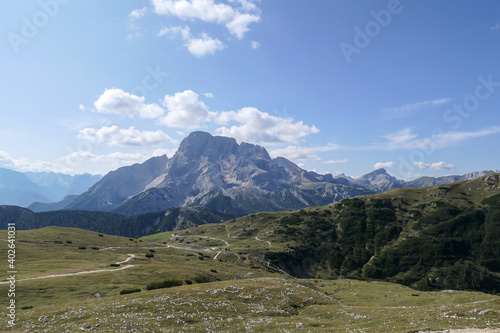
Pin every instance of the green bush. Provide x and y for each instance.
(82, 247)
(188, 281)
(115, 265)
(168, 283)
(149, 255)
(204, 278)
(130, 291)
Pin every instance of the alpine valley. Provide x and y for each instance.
(221, 237)
(210, 179)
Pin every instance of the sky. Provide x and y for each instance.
(335, 86)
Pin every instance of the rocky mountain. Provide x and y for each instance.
(22, 189)
(378, 181)
(47, 207)
(17, 189)
(432, 181)
(218, 173)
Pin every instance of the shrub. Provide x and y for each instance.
(69, 242)
(115, 265)
(188, 281)
(27, 307)
(101, 235)
(213, 270)
(149, 255)
(152, 250)
(95, 248)
(204, 278)
(168, 283)
(130, 291)
(82, 247)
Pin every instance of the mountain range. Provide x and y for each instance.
(218, 173)
(213, 172)
(23, 189)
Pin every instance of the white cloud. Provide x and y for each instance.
(117, 101)
(208, 95)
(198, 47)
(383, 165)
(438, 166)
(171, 32)
(115, 136)
(303, 153)
(335, 161)
(205, 10)
(25, 165)
(495, 27)
(115, 159)
(405, 139)
(185, 110)
(247, 5)
(138, 13)
(405, 110)
(204, 45)
(262, 128)
(447, 139)
(238, 26)
(399, 139)
(255, 45)
(235, 19)
(162, 151)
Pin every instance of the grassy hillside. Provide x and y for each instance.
(111, 223)
(443, 237)
(228, 291)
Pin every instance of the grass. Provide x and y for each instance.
(270, 304)
(223, 296)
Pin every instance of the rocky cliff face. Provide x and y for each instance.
(218, 173)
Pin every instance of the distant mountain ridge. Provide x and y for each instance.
(380, 181)
(237, 179)
(23, 189)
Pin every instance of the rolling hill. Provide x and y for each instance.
(441, 237)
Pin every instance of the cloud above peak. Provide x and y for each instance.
(185, 110)
(115, 136)
(262, 128)
(119, 102)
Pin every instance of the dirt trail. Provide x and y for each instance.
(268, 242)
(130, 257)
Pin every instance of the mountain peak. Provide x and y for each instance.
(380, 171)
(202, 143)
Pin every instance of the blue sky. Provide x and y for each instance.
(335, 86)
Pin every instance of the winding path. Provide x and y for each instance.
(130, 257)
